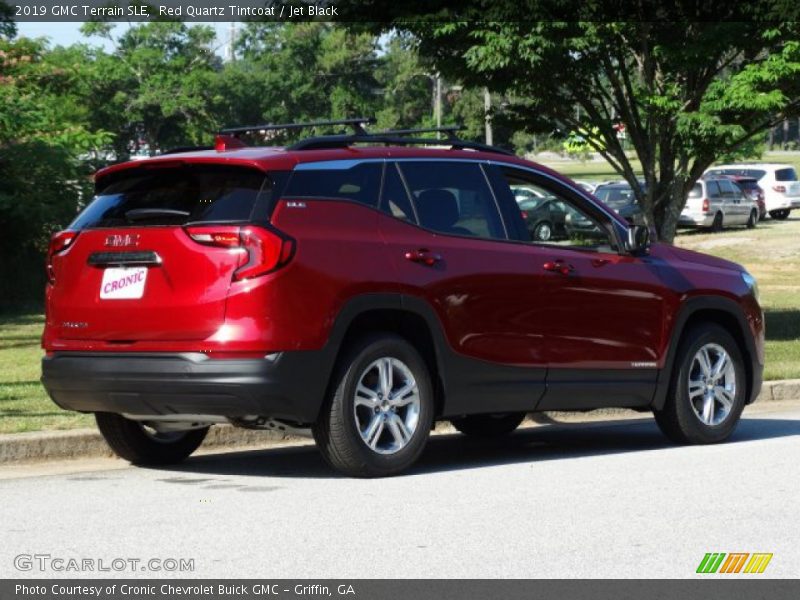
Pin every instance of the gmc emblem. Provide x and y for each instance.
(118, 240)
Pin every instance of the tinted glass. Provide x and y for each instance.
(453, 198)
(394, 198)
(745, 172)
(615, 196)
(175, 196)
(557, 219)
(713, 189)
(785, 175)
(360, 183)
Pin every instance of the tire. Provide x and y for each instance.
(780, 215)
(543, 232)
(686, 422)
(753, 220)
(717, 224)
(488, 426)
(345, 431)
(133, 442)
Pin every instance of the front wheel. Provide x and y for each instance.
(143, 445)
(488, 426)
(780, 215)
(707, 391)
(379, 414)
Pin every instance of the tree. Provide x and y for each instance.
(298, 71)
(43, 136)
(156, 90)
(686, 90)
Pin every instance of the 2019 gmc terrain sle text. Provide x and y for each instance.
(364, 286)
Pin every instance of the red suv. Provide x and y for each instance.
(365, 286)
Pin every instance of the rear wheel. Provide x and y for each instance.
(707, 391)
(717, 224)
(780, 215)
(543, 232)
(379, 414)
(487, 426)
(143, 445)
(753, 220)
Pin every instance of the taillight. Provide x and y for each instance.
(59, 242)
(524, 214)
(706, 205)
(781, 189)
(264, 249)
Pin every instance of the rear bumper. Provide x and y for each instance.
(285, 387)
(696, 220)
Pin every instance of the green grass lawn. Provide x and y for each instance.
(771, 252)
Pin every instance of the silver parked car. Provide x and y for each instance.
(716, 203)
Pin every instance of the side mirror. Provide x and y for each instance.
(638, 239)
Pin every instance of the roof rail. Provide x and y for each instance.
(357, 124)
(182, 149)
(449, 131)
(391, 138)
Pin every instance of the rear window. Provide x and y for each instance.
(744, 172)
(785, 175)
(615, 195)
(174, 196)
(696, 191)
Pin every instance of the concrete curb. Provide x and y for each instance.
(88, 443)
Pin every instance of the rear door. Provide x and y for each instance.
(134, 273)
(448, 244)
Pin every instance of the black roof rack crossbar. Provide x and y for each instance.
(356, 124)
(342, 141)
(450, 131)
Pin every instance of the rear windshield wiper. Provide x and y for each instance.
(142, 214)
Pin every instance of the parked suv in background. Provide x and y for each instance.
(362, 287)
(779, 182)
(716, 203)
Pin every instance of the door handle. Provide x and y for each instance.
(558, 266)
(423, 256)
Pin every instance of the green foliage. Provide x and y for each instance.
(687, 91)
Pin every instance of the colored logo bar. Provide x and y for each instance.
(734, 562)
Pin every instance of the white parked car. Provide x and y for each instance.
(779, 182)
(716, 203)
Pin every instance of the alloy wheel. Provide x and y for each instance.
(386, 405)
(712, 384)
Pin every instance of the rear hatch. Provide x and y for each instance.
(140, 267)
(786, 182)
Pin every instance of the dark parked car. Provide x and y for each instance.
(360, 287)
(544, 217)
(620, 198)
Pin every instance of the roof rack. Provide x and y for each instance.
(228, 139)
(397, 137)
(357, 124)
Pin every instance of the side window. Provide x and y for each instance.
(550, 215)
(453, 198)
(728, 192)
(394, 198)
(713, 190)
(360, 183)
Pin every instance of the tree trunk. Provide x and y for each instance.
(785, 141)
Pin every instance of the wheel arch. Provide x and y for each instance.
(710, 309)
(406, 316)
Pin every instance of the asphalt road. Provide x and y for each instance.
(592, 500)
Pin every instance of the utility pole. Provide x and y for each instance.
(487, 112)
(437, 101)
(232, 43)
